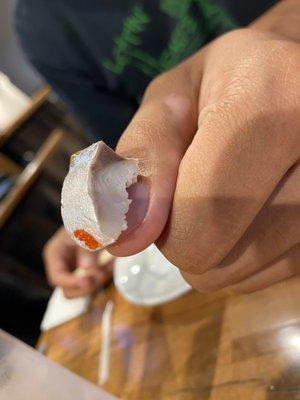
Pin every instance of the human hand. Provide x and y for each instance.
(218, 140)
(63, 257)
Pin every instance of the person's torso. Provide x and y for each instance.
(125, 43)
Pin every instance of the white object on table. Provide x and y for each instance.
(60, 309)
(13, 102)
(103, 372)
(148, 278)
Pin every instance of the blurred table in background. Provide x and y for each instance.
(24, 178)
(35, 148)
(199, 347)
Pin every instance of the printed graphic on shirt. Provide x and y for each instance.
(188, 35)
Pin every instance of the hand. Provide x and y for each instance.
(62, 257)
(219, 142)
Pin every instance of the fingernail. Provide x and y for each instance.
(139, 194)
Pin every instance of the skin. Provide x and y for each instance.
(62, 257)
(218, 140)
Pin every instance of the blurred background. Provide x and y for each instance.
(35, 147)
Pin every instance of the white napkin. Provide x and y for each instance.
(13, 102)
(60, 309)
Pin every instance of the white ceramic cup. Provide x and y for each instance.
(148, 278)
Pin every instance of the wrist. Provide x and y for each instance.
(283, 19)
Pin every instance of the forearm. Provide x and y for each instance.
(283, 18)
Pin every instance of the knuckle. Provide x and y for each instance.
(220, 114)
(262, 76)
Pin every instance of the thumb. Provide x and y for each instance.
(158, 137)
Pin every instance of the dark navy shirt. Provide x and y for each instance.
(99, 55)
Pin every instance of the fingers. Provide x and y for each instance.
(59, 258)
(224, 180)
(284, 268)
(274, 231)
(99, 277)
(158, 136)
(212, 185)
(63, 258)
(93, 274)
(238, 155)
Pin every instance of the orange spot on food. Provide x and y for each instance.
(87, 239)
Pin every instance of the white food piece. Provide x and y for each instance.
(94, 196)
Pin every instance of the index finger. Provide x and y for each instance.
(224, 179)
(158, 136)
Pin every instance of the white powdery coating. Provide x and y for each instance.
(94, 195)
(110, 196)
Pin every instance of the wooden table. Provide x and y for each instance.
(199, 347)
